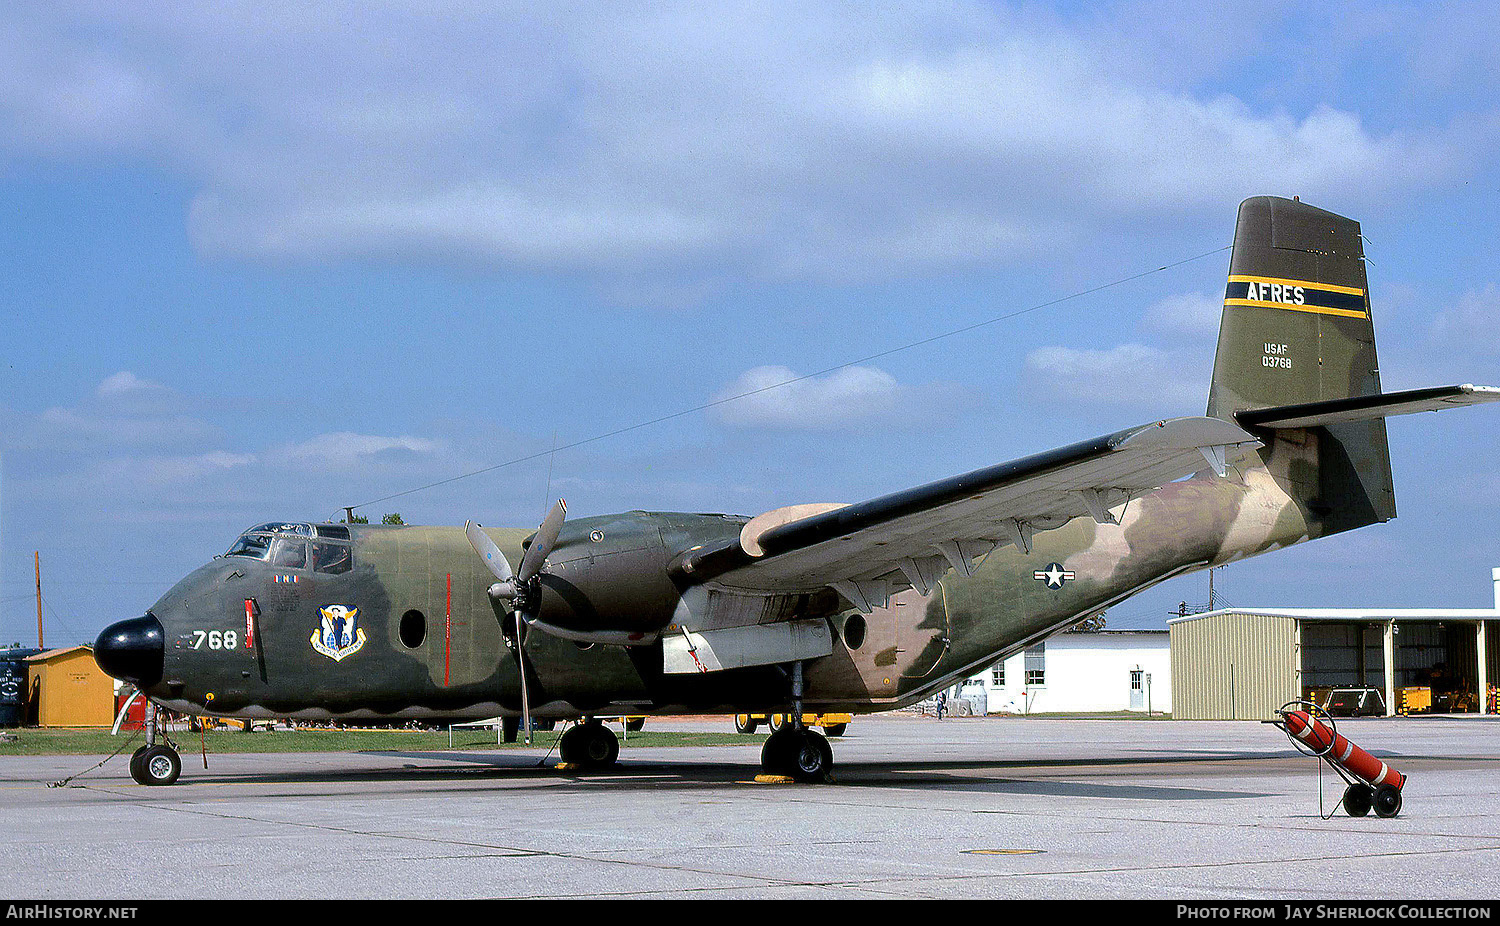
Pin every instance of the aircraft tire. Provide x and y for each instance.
(744, 723)
(635, 725)
(590, 745)
(158, 765)
(835, 729)
(135, 761)
(603, 747)
(1358, 799)
(1387, 801)
(510, 727)
(811, 757)
(776, 754)
(570, 745)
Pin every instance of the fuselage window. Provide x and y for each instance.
(413, 629)
(289, 554)
(330, 557)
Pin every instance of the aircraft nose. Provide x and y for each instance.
(132, 650)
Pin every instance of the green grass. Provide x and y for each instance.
(44, 742)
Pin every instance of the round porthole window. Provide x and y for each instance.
(854, 632)
(413, 629)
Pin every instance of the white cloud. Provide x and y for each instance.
(346, 449)
(1128, 375)
(1472, 325)
(1185, 316)
(777, 397)
(125, 382)
(124, 411)
(783, 141)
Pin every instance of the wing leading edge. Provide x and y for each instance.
(908, 539)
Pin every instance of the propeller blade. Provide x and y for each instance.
(542, 543)
(488, 552)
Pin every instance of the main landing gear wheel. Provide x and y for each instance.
(744, 723)
(799, 753)
(1387, 801)
(1358, 800)
(155, 765)
(590, 745)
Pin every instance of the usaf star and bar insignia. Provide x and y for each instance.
(1054, 575)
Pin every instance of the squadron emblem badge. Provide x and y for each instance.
(338, 636)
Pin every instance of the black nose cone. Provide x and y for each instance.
(132, 650)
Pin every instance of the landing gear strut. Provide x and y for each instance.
(794, 750)
(154, 763)
(589, 745)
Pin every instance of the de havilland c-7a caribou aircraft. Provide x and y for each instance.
(820, 607)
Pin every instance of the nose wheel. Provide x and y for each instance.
(155, 765)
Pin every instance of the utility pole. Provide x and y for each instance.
(39, 644)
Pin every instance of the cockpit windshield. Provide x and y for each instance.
(282, 544)
(255, 546)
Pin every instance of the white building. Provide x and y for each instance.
(1112, 670)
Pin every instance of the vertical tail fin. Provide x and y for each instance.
(1297, 328)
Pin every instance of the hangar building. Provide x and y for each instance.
(1241, 663)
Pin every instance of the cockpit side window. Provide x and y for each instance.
(331, 557)
(289, 553)
(255, 546)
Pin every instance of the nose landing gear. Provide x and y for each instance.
(155, 763)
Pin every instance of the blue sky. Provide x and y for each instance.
(263, 261)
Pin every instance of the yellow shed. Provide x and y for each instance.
(66, 688)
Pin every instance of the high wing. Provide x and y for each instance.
(908, 539)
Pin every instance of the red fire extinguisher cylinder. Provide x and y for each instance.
(1324, 741)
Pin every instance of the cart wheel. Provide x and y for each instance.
(1358, 799)
(1387, 801)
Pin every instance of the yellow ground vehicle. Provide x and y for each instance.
(832, 724)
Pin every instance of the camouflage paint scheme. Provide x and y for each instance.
(1301, 484)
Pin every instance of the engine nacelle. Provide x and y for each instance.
(606, 581)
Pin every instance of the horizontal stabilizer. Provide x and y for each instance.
(1366, 407)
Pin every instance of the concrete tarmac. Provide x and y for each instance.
(983, 808)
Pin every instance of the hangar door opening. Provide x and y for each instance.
(1343, 667)
(1437, 667)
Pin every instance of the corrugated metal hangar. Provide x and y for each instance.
(1242, 664)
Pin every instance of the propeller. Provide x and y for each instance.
(523, 588)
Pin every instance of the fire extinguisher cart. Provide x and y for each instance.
(1371, 784)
